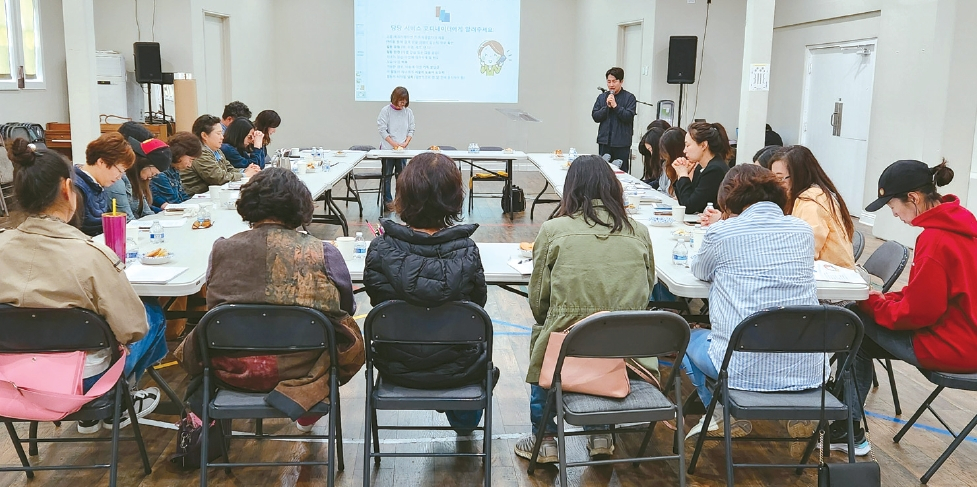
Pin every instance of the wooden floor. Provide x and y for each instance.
(901, 464)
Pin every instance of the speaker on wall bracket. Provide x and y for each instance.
(681, 59)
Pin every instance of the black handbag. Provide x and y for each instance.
(860, 474)
(187, 454)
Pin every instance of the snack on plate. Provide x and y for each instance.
(435, 148)
(398, 148)
(205, 224)
(682, 233)
(526, 245)
(160, 252)
(508, 150)
(558, 153)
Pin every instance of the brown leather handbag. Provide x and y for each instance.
(606, 377)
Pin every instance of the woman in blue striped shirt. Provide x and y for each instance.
(775, 271)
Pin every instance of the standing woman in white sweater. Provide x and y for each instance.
(396, 126)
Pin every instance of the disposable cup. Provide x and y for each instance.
(215, 193)
(678, 214)
(345, 246)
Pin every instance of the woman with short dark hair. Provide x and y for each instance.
(429, 261)
(756, 258)
(591, 257)
(274, 264)
(241, 143)
(166, 186)
(396, 126)
(211, 168)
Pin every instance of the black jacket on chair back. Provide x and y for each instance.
(426, 270)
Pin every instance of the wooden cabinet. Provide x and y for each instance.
(57, 136)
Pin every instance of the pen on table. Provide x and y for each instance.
(523, 261)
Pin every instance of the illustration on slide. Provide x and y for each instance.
(491, 56)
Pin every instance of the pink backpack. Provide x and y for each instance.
(48, 386)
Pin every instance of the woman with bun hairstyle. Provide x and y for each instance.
(932, 322)
(812, 197)
(106, 161)
(707, 147)
(48, 263)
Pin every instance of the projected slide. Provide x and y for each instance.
(440, 50)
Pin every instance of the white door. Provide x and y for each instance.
(629, 58)
(216, 64)
(837, 110)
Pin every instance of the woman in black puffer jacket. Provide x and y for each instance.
(428, 262)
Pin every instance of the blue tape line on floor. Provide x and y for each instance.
(506, 323)
(923, 427)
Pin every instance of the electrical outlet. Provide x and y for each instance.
(691, 1)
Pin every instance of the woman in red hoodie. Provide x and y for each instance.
(932, 322)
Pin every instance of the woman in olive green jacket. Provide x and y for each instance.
(591, 258)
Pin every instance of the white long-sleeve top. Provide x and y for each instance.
(397, 124)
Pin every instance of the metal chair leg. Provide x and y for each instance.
(909, 424)
(137, 434)
(892, 385)
(645, 441)
(949, 451)
(18, 447)
(32, 435)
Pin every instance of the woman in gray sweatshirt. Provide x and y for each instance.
(396, 126)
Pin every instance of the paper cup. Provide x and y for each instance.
(345, 246)
(634, 200)
(114, 227)
(215, 193)
(678, 214)
(225, 198)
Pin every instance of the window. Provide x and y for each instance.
(20, 44)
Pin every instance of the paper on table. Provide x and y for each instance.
(824, 271)
(152, 274)
(182, 206)
(524, 266)
(179, 222)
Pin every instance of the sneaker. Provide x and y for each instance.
(839, 439)
(547, 451)
(89, 427)
(738, 429)
(304, 428)
(600, 444)
(799, 429)
(143, 402)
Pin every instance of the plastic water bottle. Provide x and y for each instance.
(132, 251)
(471, 148)
(680, 254)
(359, 246)
(477, 149)
(156, 232)
(572, 155)
(709, 206)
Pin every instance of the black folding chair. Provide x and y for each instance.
(792, 329)
(455, 323)
(620, 334)
(857, 244)
(258, 329)
(482, 177)
(964, 382)
(37, 330)
(887, 263)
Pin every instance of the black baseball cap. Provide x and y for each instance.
(901, 177)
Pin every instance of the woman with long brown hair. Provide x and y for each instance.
(812, 197)
(671, 147)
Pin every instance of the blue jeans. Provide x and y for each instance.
(661, 293)
(464, 421)
(537, 402)
(389, 168)
(144, 352)
(697, 364)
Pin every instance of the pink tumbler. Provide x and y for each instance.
(114, 227)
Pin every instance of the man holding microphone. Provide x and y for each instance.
(614, 110)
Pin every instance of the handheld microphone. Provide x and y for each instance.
(602, 89)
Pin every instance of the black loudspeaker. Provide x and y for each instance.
(149, 67)
(681, 59)
(167, 78)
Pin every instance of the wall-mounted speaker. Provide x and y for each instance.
(681, 59)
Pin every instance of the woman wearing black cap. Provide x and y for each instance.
(932, 322)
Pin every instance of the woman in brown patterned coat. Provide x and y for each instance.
(274, 264)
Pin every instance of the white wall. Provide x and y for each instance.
(51, 103)
(312, 60)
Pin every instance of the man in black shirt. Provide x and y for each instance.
(614, 110)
